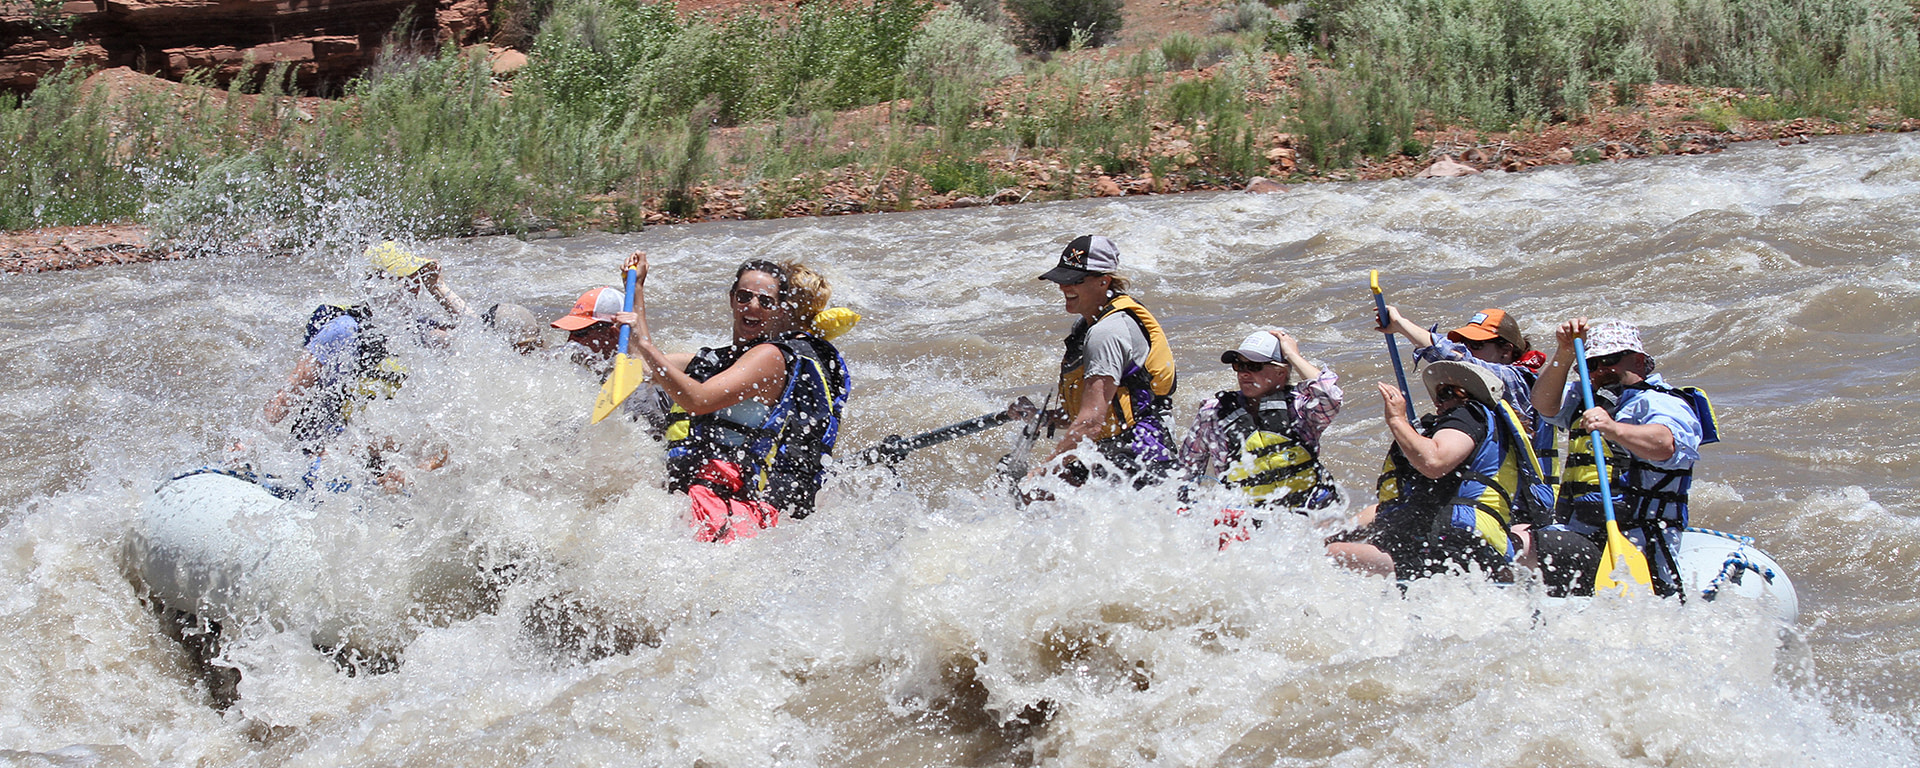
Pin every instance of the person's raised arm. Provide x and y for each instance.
(1549, 390)
(1397, 323)
(761, 370)
(1430, 456)
(1290, 348)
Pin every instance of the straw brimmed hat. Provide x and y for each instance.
(1479, 383)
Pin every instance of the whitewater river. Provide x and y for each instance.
(921, 618)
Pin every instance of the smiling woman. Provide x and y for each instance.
(753, 422)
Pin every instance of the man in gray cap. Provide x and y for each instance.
(1653, 434)
(1117, 376)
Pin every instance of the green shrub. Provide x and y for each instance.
(1247, 16)
(951, 63)
(1181, 50)
(1050, 25)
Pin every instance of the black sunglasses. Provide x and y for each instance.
(744, 297)
(1604, 361)
(1247, 366)
(1478, 343)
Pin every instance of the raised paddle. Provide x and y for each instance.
(1618, 551)
(894, 447)
(626, 374)
(1393, 348)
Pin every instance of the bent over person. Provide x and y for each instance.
(1652, 433)
(1117, 377)
(1264, 437)
(756, 419)
(1453, 488)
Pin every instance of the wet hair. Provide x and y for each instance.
(803, 291)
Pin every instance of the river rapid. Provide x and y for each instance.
(921, 617)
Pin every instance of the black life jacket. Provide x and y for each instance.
(782, 449)
(1275, 467)
(376, 374)
(1498, 486)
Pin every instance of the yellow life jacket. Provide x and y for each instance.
(1143, 390)
(1275, 466)
(1498, 482)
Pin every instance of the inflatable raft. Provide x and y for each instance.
(1714, 565)
(228, 550)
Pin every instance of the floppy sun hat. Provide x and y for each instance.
(1479, 383)
(1605, 337)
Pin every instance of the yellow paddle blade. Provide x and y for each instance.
(1374, 275)
(1619, 551)
(626, 377)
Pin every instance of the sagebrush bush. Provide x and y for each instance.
(1050, 25)
(951, 63)
(1248, 16)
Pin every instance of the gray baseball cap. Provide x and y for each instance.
(1086, 256)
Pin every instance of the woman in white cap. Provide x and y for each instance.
(1117, 376)
(757, 418)
(1263, 438)
(1453, 489)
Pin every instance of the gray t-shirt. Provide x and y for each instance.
(1113, 344)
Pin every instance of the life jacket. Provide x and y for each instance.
(1145, 392)
(1645, 494)
(1498, 486)
(1276, 467)
(376, 373)
(781, 450)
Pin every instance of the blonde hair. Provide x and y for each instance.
(1117, 283)
(806, 290)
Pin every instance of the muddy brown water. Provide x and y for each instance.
(922, 618)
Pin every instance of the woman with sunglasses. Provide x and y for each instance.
(1453, 487)
(1652, 433)
(1263, 438)
(755, 419)
(1491, 339)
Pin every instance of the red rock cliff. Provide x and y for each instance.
(324, 41)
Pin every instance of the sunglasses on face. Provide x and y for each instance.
(1247, 366)
(1604, 361)
(744, 297)
(1451, 392)
(1479, 344)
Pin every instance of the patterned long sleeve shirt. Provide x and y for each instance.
(1207, 451)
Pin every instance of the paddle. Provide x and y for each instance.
(626, 374)
(1393, 348)
(895, 447)
(1014, 464)
(1618, 551)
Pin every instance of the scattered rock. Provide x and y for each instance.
(967, 202)
(1261, 185)
(1446, 167)
(506, 60)
(1562, 155)
(1105, 186)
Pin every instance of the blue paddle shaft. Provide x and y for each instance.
(1393, 351)
(1599, 445)
(633, 281)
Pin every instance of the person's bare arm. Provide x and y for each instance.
(1430, 456)
(305, 374)
(1096, 397)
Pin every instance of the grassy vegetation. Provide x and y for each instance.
(629, 108)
